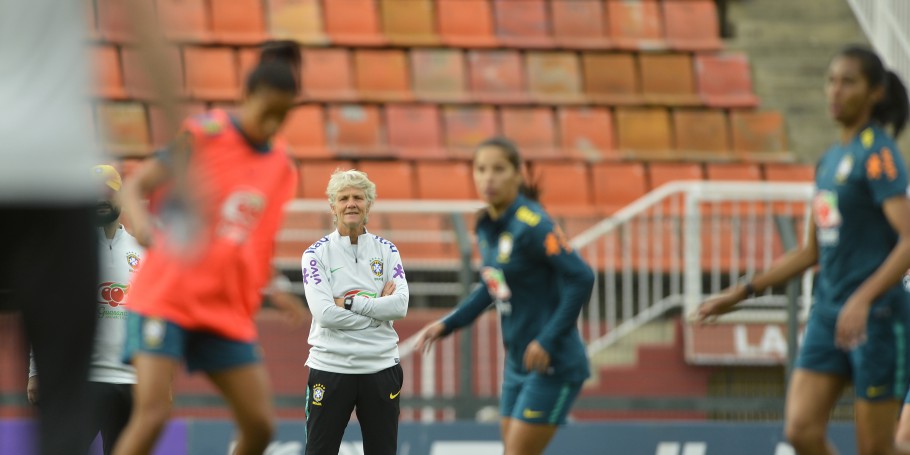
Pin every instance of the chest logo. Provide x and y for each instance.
(356, 292)
(377, 268)
(505, 247)
(240, 213)
(827, 217)
(496, 284)
(112, 293)
(132, 259)
(843, 169)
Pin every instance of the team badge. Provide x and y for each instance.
(377, 268)
(153, 332)
(132, 259)
(318, 394)
(867, 137)
(505, 247)
(843, 169)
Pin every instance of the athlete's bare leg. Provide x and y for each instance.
(247, 391)
(810, 399)
(152, 408)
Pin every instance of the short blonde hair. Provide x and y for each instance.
(350, 178)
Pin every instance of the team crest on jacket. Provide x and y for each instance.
(132, 259)
(377, 267)
(505, 247)
(318, 394)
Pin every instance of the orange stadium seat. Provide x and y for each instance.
(734, 172)
(644, 132)
(124, 128)
(113, 21)
(382, 75)
(299, 20)
(135, 76)
(108, 73)
(663, 173)
(759, 135)
(184, 20)
(353, 23)
(497, 76)
(393, 179)
(160, 136)
(522, 23)
(668, 79)
(616, 185)
(565, 188)
(465, 127)
(724, 80)
(328, 74)
(439, 75)
(304, 130)
(238, 21)
(611, 78)
(692, 25)
(415, 131)
(466, 23)
(587, 133)
(314, 177)
(790, 172)
(579, 24)
(211, 73)
(445, 180)
(533, 131)
(553, 77)
(355, 130)
(409, 22)
(635, 24)
(249, 57)
(701, 134)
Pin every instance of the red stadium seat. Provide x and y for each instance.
(790, 172)
(692, 25)
(314, 177)
(553, 77)
(135, 76)
(522, 24)
(114, 22)
(415, 131)
(644, 132)
(759, 135)
(211, 73)
(587, 133)
(238, 21)
(353, 23)
(668, 79)
(579, 24)
(184, 20)
(466, 127)
(298, 20)
(635, 25)
(304, 130)
(439, 75)
(393, 179)
(565, 188)
(160, 135)
(701, 134)
(108, 73)
(663, 173)
(465, 23)
(533, 131)
(734, 172)
(382, 75)
(124, 128)
(724, 80)
(409, 22)
(355, 130)
(612, 78)
(616, 185)
(497, 77)
(445, 180)
(328, 74)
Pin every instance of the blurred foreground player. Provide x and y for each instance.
(199, 289)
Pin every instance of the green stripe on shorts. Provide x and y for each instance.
(900, 370)
(560, 402)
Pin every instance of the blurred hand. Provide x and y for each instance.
(32, 390)
(851, 323)
(143, 233)
(536, 357)
(718, 305)
(429, 335)
(389, 289)
(290, 306)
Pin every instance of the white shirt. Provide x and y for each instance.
(360, 340)
(118, 260)
(47, 148)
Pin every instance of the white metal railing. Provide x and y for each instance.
(885, 24)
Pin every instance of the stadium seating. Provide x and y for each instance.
(237, 21)
(701, 134)
(211, 73)
(635, 25)
(415, 132)
(439, 75)
(618, 184)
(466, 23)
(522, 24)
(691, 25)
(465, 127)
(184, 20)
(353, 23)
(304, 130)
(382, 75)
(355, 131)
(108, 74)
(497, 77)
(445, 180)
(299, 20)
(328, 75)
(579, 24)
(587, 134)
(612, 78)
(644, 132)
(409, 22)
(724, 80)
(553, 77)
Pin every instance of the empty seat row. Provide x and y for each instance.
(627, 24)
(414, 131)
(453, 76)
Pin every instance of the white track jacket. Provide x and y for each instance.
(360, 340)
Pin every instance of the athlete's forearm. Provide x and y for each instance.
(888, 274)
(389, 308)
(786, 268)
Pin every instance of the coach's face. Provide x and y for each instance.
(351, 210)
